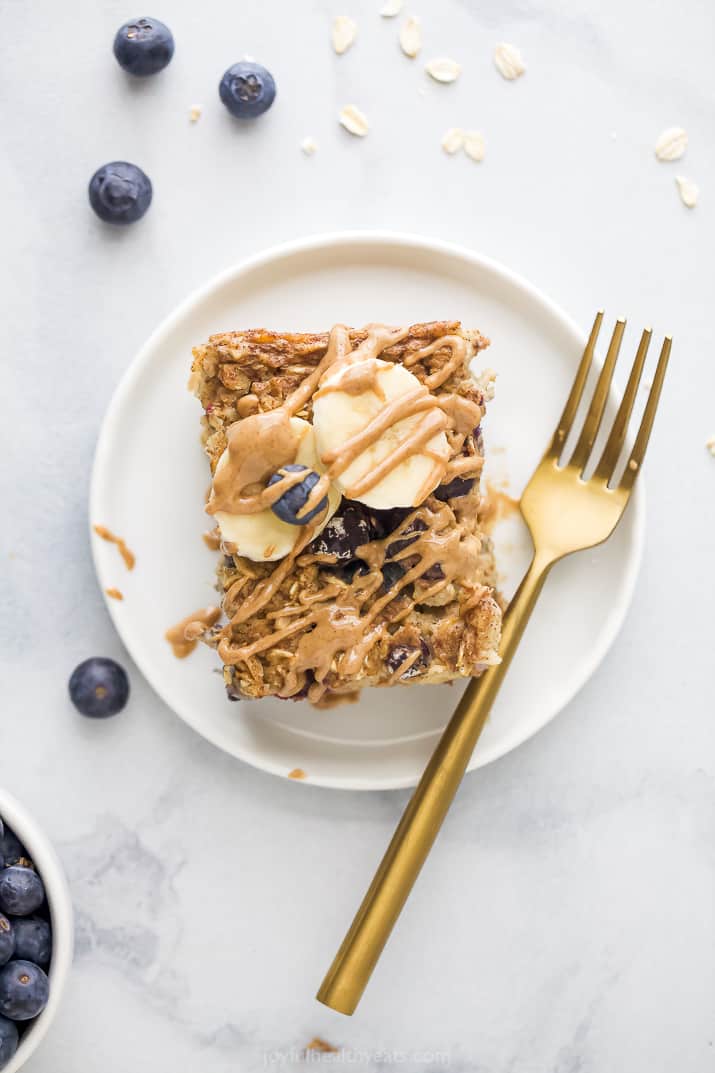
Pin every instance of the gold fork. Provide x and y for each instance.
(565, 512)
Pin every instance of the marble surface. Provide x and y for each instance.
(565, 920)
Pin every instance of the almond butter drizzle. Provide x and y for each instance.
(184, 635)
(458, 346)
(107, 534)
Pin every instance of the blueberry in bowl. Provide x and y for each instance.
(120, 192)
(143, 46)
(9, 1039)
(32, 939)
(21, 890)
(290, 505)
(247, 89)
(24, 990)
(35, 944)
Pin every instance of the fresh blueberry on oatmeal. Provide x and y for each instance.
(290, 506)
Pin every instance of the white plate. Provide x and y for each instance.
(150, 476)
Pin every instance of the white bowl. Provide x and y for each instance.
(41, 852)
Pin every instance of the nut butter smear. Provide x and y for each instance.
(184, 636)
(107, 534)
(337, 627)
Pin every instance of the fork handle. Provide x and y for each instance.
(347, 977)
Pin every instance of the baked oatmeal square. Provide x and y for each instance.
(346, 495)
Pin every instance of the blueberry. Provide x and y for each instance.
(400, 652)
(120, 193)
(99, 687)
(247, 89)
(33, 939)
(404, 540)
(433, 573)
(346, 531)
(9, 1037)
(7, 940)
(349, 571)
(21, 890)
(24, 990)
(460, 486)
(391, 574)
(11, 850)
(144, 46)
(292, 501)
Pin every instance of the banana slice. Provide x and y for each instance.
(263, 537)
(339, 415)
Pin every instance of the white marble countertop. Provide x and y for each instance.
(565, 920)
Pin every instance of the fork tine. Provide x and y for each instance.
(598, 403)
(614, 444)
(566, 420)
(638, 453)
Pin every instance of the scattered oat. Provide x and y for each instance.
(671, 144)
(633, 465)
(411, 36)
(474, 145)
(508, 61)
(354, 120)
(443, 69)
(710, 444)
(318, 1044)
(392, 8)
(452, 140)
(309, 146)
(298, 773)
(688, 190)
(106, 534)
(344, 33)
(115, 594)
(195, 113)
